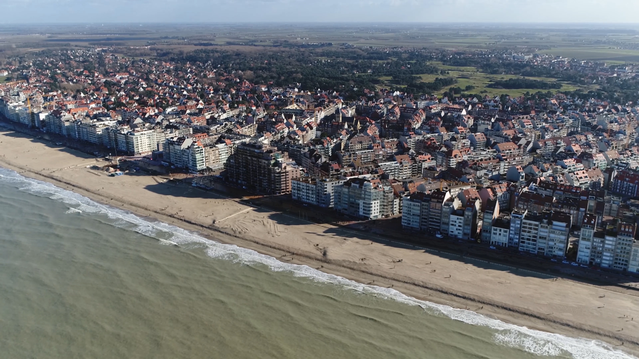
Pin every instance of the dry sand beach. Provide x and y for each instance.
(520, 297)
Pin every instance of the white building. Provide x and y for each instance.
(326, 191)
(411, 213)
(140, 142)
(585, 247)
(500, 233)
(319, 192)
(456, 226)
(529, 233)
(305, 190)
(370, 199)
(613, 246)
(558, 232)
(633, 264)
(578, 179)
(545, 233)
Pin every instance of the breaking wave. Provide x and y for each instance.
(532, 341)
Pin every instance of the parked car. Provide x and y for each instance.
(439, 235)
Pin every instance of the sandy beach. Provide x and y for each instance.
(531, 299)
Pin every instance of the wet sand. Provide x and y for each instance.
(521, 297)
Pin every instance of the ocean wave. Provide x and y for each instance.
(532, 341)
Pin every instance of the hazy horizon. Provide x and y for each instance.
(479, 12)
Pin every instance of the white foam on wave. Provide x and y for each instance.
(532, 341)
(73, 210)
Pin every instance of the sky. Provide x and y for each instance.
(216, 11)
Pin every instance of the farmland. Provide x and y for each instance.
(472, 80)
(358, 56)
(611, 55)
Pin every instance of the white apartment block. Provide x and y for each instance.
(558, 231)
(633, 263)
(304, 190)
(499, 235)
(456, 226)
(364, 198)
(586, 237)
(319, 192)
(140, 142)
(545, 233)
(529, 235)
(578, 179)
(612, 246)
(411, 213)
(326, 192)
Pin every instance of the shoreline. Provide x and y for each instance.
(74, 177)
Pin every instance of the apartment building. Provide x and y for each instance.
(529, 234)
(411, 211)
(626, 183)
(500, 233)
(585, 247)
(425, 211)
(611, 245)
(624, 245)
(449, 206)
(579, 179)
(261, 168)
(364, 198)
(456, 226)
(304, 189)
(558, 231)
(514, 232)
(545, 234)
(633, 264)
(318, 192)
(489, 216)
(140, 142)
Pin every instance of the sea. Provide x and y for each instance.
(79, 279)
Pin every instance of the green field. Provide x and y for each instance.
(470, 76)
(608, 54)
(3, 79)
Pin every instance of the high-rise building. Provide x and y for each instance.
(516, 220)
(586, 237)
(489, 216)
(370, 199)
(500, 233)
(318, 192)
(427, 212)
(613, 245)
(545, 233)
(261, 168)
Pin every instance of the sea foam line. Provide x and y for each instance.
(533, 341)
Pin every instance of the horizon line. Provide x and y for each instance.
(449, 23)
